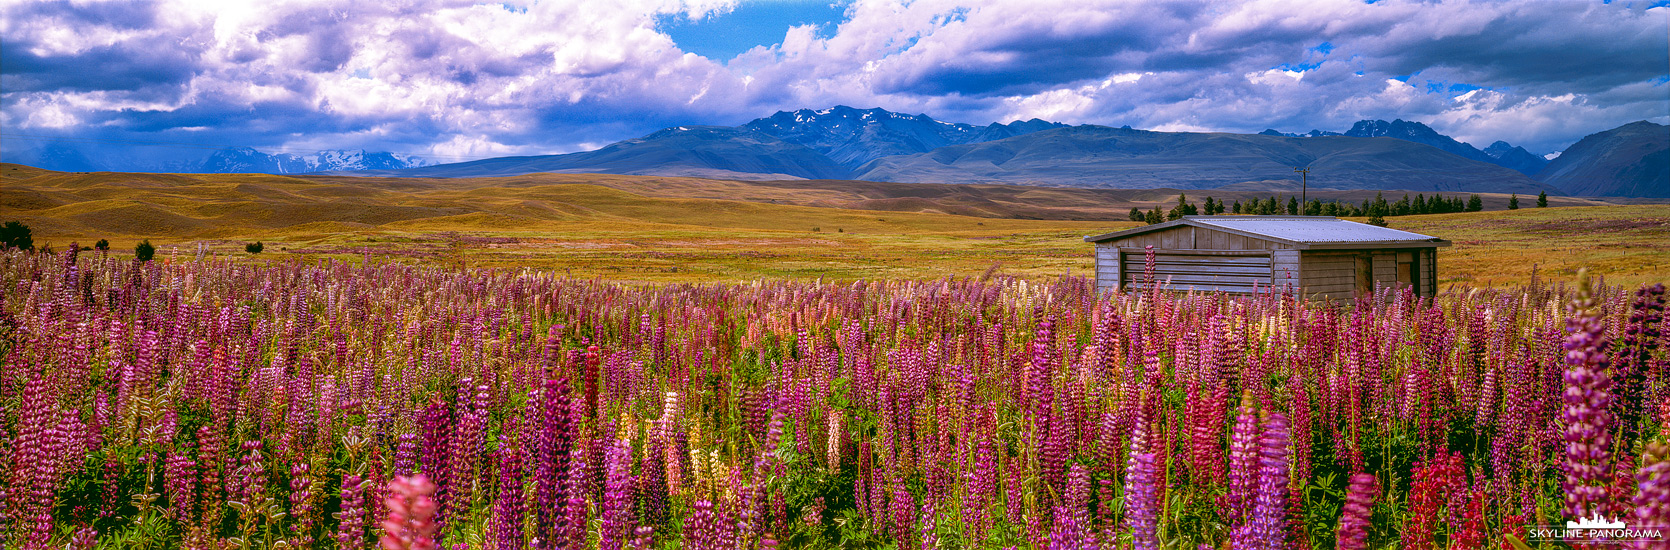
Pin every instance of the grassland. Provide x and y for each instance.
(694, 230)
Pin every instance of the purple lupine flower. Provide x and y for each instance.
(1588, 414)
(616, 513)
(1265, 529)
(1141, 497)
(350, 526)
(1243, 465)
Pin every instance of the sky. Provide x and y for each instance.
(452, 80)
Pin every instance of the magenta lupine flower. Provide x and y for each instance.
(350, 527)
(902, 508)
(252, 472)
(1652, 496)
(1072, 518)
(557, 435)
(507, 508)
(301, 504)
(180, 483)
(1588, 414)
(411, 521)
(701, 528)
(1355, 514)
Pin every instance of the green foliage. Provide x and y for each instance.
(1513, 202)
(1475, 204)
(102, 245)
(1542, 199)
(15, 234)
(255, 247)
(144, 251)
(1137, 215)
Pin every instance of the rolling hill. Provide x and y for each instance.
(64, 205)
(1632, 160)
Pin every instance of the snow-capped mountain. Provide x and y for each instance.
(246, 160)
(854, 137)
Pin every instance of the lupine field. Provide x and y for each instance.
(226, 404)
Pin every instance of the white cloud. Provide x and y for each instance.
(464, 79)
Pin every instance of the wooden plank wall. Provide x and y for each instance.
(1285, 269)
(1385, 268)
(1188, 237)
(1429, 271)
(1107, 266)
(1228, 271)
(1331, 275)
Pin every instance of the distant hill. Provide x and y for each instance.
(1500, 153)
(1509, 156)
(1103, 157)
(1632, 160)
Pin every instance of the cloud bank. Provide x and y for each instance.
(457, 80)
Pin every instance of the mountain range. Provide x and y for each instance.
(230, 160)
(844, 143)
(879, 145)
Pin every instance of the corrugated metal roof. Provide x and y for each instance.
(1297, 230)
(1310, 229)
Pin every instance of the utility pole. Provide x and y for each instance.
(1304, 187)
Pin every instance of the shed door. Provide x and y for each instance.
(1226, 271)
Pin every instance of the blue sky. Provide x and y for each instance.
(145, 82)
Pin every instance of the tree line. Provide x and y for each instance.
(1376, 209)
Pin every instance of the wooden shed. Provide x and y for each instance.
(1320, 256)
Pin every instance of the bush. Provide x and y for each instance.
(1377, 221)
(1513, 202)
(16, 235)
(101, 245)
(1542, 199)
(255, 247)
(144, 251)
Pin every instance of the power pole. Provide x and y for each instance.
(1304, 187)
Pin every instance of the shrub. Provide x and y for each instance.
(16, 235)
(255, 247)
(102, 245)
(144, 251)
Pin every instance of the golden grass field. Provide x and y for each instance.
(661, 229)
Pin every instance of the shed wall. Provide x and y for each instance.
(1188, 237)
(1331, 274)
